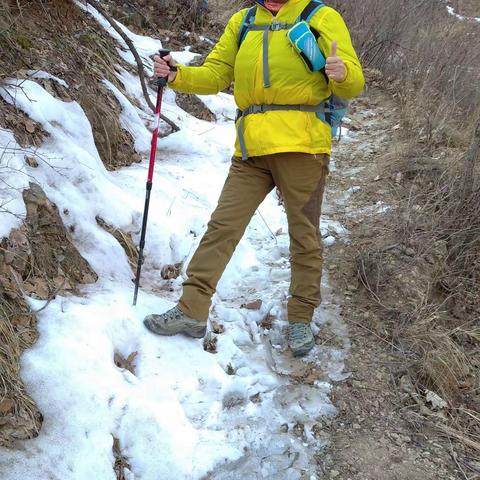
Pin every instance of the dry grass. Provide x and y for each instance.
(19, 416)
(121, 462)
(188, 15)
(426, 281)
(37, 259)
(430, 298)
(431, 58)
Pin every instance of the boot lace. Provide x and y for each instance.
(298, 332)
(172, 314)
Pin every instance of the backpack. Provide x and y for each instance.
(332, 110)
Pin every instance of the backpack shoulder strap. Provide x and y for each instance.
(309, 11)
(247, 22)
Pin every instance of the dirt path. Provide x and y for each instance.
(372, 437)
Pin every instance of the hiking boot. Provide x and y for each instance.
(300, 338)
(174, 321)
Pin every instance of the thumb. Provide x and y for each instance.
(333, 51)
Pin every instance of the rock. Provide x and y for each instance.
(435, 400)
(298, 429)
(217, 328)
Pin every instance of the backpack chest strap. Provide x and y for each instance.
(273, 27)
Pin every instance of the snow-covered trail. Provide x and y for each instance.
(185, 413)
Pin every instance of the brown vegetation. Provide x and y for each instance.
(38, 259)
(19, 416)
(423, 266)
(429, 56)
(56, 36)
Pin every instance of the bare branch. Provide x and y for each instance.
(138, 60)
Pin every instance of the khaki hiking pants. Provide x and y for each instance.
(300, 178)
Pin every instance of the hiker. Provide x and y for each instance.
(283, 140)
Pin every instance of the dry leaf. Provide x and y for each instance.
(210, 343)
(29, 126)
(312, 377)
(31, 162)
(6, 405)
(267, 322)
(170, 272)
(125, 363)
(256, 305)
(37, 287)
(88, 277)
(257, 398)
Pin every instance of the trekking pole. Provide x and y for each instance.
(161, 84)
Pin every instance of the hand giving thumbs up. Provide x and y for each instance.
(335, 68)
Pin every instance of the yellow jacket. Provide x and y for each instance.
(291, 81)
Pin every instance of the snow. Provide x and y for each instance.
(13, 179)
(130, 120)
(145, 46)
(218, 104)
(40, 74)
(184, 56)
(452, 12)
(182, 414)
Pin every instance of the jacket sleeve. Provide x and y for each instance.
(216, 74)
(331, 26)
